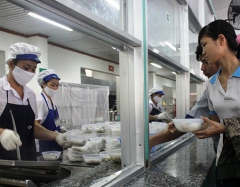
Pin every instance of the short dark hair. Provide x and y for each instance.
(199, 52)
(217, 27)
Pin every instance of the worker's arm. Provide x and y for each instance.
(152, 118)
(170, 133)
(1, 130)
(42, 133)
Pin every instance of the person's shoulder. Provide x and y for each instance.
(150, 105)
(39, 98)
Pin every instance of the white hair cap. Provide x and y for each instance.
(24, 51)
(46, 75)
(156, 91)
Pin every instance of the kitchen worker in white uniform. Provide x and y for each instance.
(155, 109)
(19, 100)
(48, 115)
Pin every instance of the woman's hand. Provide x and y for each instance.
(213, 129)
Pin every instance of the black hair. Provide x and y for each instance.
(15, 61)
(198, 52)
(44, 82)
(217, 27)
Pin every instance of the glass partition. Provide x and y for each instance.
(91, 53)
(165, 79)
(195, 66)
(193, 94)
(165, 27)
(109, 10)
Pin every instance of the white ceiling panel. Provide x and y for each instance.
(15, 18)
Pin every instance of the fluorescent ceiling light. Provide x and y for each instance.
(170, 45)
(89, 73)
(115, 49)
(174, 72)
(114, 4)
(156, 65)
(155, 51)
(49, 21)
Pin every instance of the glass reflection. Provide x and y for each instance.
(163, 19)
(109, 10)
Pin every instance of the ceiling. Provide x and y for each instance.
(14, 18)
(25, 25)
(221, 8)
(22, 23)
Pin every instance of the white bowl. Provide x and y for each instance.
(74, 157)
(105, 156)
(115, 155)
(188, 125)
(92, 158)
(51, 155)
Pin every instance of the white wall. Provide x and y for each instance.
(160, 82)
(8, 39)
(68, 64)
(2, 63)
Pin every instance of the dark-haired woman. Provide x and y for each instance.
(220, 44)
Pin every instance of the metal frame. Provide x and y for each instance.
(167, 62)
(161, 154)
(197, 78)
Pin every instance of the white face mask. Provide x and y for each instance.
(157, 99)
(50, 92)
(22, 76)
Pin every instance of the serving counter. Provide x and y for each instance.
(187, 166)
